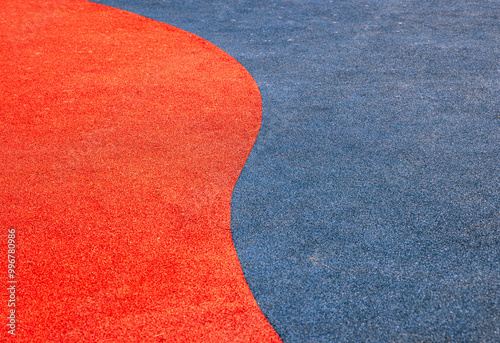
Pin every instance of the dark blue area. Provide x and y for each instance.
(368, 210)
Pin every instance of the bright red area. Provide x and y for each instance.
(121, 139)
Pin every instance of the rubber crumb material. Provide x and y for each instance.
(122, 139)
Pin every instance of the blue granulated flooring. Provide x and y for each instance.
(368, 210)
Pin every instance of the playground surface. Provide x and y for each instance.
(251, 171)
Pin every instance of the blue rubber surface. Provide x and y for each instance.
(368, 210)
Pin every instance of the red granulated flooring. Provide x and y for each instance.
(121, 141)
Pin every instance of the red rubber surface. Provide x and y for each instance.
(121, 141)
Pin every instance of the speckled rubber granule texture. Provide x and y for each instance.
(121, 141)
(369, 207)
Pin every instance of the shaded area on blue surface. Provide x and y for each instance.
(368, 210)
